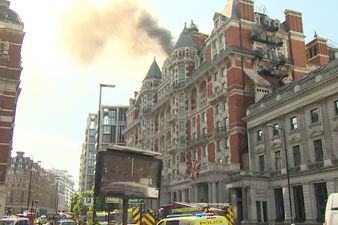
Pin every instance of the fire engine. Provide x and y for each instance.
(134, 217)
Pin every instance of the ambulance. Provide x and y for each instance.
(14, 220)
(198, 219)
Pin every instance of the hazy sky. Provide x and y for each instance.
(72, 46)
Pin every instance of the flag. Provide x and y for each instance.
(182, 169)
(195, 168)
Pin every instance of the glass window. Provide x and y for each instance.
(275, 130)
(336, 107)
(205, 151)
(218, 124)
(279, 203)
(227, 143)
(216, 76)
(261, 163)
(321, 197)
(227, 160)
(260, 135)
(225, 106)
(314, 116)
(223, 72)
(318, 150)
(219, 146)
(299, 203)
(182, 70)
(296, 155)
(182, 126)
(204, 117)
(182, 157)
(194, 122)
(182, 110)
(195, 154)
(217, 109)
(182, 98)
(182, 139)
(149, 97)
(294, 124)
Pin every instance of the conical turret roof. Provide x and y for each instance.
(185, 39)
(154, 71)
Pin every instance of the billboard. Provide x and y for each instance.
(128, 174)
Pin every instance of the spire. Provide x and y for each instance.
(154, 71)
(185, 39)
(193, 26)
(315, 35)
(230, 10)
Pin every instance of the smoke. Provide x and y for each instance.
(122, 26)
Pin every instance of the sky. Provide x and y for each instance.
(70, 47)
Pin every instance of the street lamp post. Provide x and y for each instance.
(96, 191)
(30, 182)
(287, 168)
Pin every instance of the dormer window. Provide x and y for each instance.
(257, 21)
(216, 24)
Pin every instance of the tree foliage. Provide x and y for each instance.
(79, 209)
(76, 204)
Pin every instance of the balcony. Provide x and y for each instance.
(176, 180)
(198, 140)
(214, 168)
(222, 55)
(220, 131)
(221, 94)
(173, 149)
(172, 118)
(316, 165)
(294, 170)
(276, 173)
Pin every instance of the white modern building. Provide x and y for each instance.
(306, 112)
(65, 186)
(113, 123)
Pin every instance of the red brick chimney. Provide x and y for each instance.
(245, 10)
(317, 52)
(296, 40)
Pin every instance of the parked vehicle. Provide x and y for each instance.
(331, 211)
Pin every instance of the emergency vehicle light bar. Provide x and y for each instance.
(178, 215)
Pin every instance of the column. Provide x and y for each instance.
(213, 192)
(178, 196)
(245, 204)
(172, 197)
(286, 204)
(191, 194)
(326, 120)
(309, 201)
(195, 193)
(209, 192)
(183, 195)
(228, 195)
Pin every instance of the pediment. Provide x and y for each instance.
(294, 139)
(276, 145)
(316, 133)
(260, 150)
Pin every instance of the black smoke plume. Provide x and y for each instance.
(86, 30)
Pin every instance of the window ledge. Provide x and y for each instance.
(315, 124)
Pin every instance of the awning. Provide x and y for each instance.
(256, 78)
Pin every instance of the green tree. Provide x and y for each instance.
(76, 203)
(100, 202)
(73, 202)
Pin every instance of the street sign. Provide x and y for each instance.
(131, 201)
(87, 201)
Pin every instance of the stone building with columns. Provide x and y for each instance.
(306, 111)
(192, 109)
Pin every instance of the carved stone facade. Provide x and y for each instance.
(306, 111)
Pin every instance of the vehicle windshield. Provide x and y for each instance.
(68, 223)
(8, 222)
(102, 218)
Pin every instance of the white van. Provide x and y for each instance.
(14, 220)
(331, 211)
